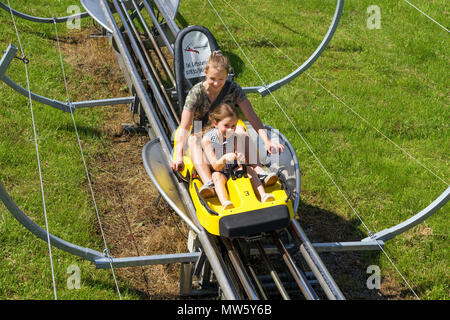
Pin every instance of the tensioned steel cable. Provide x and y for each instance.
(107, 252)
(308, 146)
(37, 155)
(440, 25)
(340, 100)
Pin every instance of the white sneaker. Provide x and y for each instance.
(227, 205)
(268, 178)
(267, 197)
(207, 190)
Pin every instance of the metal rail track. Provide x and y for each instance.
(242, 267)
(258, 277)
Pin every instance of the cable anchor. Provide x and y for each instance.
(106, 253)
(71, 106)
(24, 59)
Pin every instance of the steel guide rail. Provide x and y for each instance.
(138, 54)
(156, 47)
(252, 284)
(315, 263)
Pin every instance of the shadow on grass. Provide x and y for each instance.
(349, 268)
(83, 131)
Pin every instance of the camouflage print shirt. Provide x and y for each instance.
(197, 99)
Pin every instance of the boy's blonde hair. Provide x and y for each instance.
(219, 61)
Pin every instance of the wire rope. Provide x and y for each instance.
(107, 252)
(440, 25)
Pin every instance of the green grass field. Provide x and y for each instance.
(25, 265)
(395, 77)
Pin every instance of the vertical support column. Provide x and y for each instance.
(186, 279)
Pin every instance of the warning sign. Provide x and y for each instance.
(196, 52)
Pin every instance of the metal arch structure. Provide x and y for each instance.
(5, 61)
(42, 19)
(389, 233)
(267, 89)
(102, 12)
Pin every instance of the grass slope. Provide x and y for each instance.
(24, 264)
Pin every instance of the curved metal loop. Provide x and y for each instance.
(94, 9)
(85, 253)
(295, 164)
(388, 234)
(41, 19)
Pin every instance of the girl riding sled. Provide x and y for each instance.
(197, 108)
(219, 146)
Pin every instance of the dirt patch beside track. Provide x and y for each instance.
(133, 224)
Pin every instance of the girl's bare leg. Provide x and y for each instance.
(256, 183)
(219, 183)
(246, 146)
(198, 158)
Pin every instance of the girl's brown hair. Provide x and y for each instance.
(221, 112)
(219, 61)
